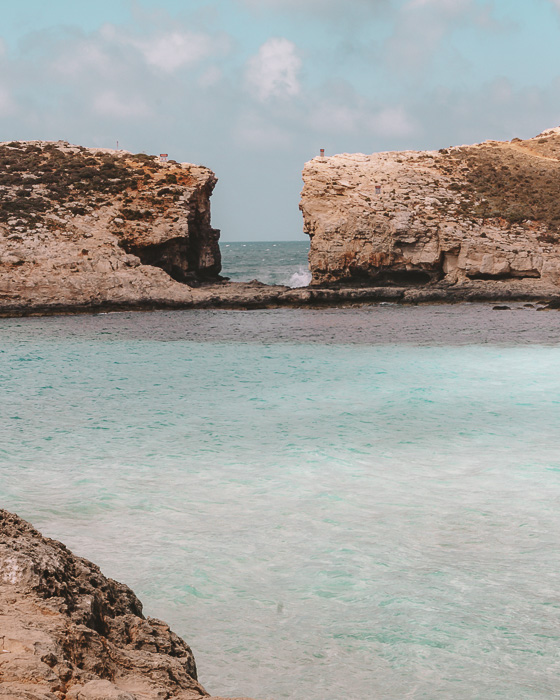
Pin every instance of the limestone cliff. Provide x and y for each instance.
(86, 226)
(69, 633)
(457, 216)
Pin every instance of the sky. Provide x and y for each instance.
(254, 88)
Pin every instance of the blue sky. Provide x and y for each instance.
(254, 88)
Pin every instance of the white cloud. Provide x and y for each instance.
(273, 72)
(112, 104)
(169, 51)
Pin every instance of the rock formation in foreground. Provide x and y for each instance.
(460, 216)
(86, 226)
(69, 633)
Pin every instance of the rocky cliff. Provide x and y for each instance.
(84, 226)
(69, 633)
(459, 216)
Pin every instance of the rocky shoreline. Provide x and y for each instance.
(69, 633)
(85, 230)
(255, 295)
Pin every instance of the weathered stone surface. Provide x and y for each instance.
(86, 230)
(88, 227)
(69, 633)
(467, 214)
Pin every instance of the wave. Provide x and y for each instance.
(301, 278)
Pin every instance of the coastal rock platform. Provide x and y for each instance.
(69, 633)
(255, 295)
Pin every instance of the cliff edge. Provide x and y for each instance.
(461, 216)
(87, 226)
(69, 633)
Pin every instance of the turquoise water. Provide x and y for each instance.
(358, 503)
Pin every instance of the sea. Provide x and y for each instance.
(269, 262)
(358, 503)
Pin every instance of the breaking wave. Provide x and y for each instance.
(301, 278)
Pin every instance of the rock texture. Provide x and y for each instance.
(460, 216)
(86, 227)
(85, 230)
(69, 633)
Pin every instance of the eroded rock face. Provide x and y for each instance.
(83, 226)
(68, 632)
(485, 212)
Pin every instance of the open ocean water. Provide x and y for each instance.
(269, 262)
(358, 503)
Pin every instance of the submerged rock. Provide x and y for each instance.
(459, 216)
(69, 633)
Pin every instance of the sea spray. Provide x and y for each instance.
(301, 278)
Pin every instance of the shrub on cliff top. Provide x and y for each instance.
(136, 214)
(62, 176)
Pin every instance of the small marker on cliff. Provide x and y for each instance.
(322, 152)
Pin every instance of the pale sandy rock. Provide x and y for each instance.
(472, 213)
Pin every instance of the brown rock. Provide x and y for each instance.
(68, 632)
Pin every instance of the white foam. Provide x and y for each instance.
(301, 278)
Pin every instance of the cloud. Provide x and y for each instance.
(211, 77)
(182, 85)
(321, 9)
(422, 25)
(355, 116)
(393, 121)
(112, 104)
(273, 72)
(168, 51)
(312, 5)
(76, 58)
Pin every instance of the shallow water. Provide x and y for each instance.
(349, 503)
